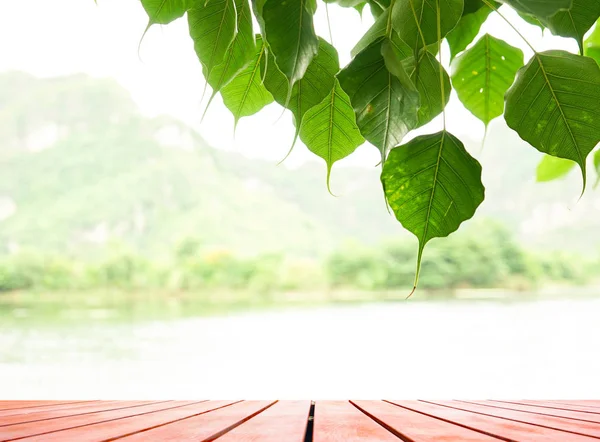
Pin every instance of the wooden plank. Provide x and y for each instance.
(14, 405)
(46, 407)
(568, 414)
(417, 427)
(11, 432)
(118, 428)
(206, 427)
(557, 423)
(342, 422)
(549, 405)
(62, 413)
(493, 426)
(592, 404)
(284, 421)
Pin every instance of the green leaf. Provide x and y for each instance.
(213, 28)
(473, 6)
(539, 8)
(483, 74)
(291, 36)
(375, 32)
(416, 21)
(591, 46)
(239, 53)
(597, 167)
(553, 105)
(346, 3)
(382, 95)
(532, 21)
(552, 168)
(164, 11)
(466, 30)
(576, 21)
(311, 89)
(245, 94)
(376, 9)
(426, 76)
(329, 129)
(432, 184)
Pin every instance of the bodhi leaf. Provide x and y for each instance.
(212, 27)
(432, 184)
(553, 105)
(239, 53)
(382, 95)
(375, 32)
(539, 8)
(576, 21)
(472, 6)
(591, 46)
(245, 94)
(597, 167)
(532, 20)
(291, 36)
(329, 129)
(164, 11)
(426, 76)
(552, 168)
(310, 89)
(416, 21)
(483, 74)
(466, 30)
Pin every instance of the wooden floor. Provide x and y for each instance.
(300, 421)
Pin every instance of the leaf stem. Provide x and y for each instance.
(493, 8)
(439, 37)
(389, 28)
(328, 23)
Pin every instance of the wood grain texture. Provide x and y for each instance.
(48, 407)
(283, 422)
(204, 428)
(551, 406)
(36, 414)
(556, 423)
(497, 427)
(131, 425)
(20, 431)
(286, 421)
(342, 422)
(418, 427)
(553, 412)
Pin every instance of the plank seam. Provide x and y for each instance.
(515, 420)
(310, 423)
(532, 412)
(99, 422)
(82, 414)
(554, 408)
(170, 422)
(391, 429)
(45, 405)
(487, 433)
(237, 424)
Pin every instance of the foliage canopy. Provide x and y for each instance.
(396, 82)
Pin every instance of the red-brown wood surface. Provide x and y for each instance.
(297, 421)
(552, 412)
(287, 418)
(556, 423)
(342, 422)
(416, 426)
(502, 429)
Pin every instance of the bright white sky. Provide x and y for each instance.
(59, 37)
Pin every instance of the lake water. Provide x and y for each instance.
(544, 349)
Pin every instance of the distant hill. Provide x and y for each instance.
(80, 168)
